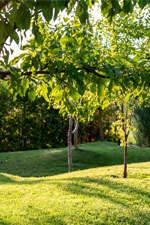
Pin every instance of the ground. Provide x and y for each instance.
(35, 187)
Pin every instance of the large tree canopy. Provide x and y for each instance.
(73, 57)
(16, 16)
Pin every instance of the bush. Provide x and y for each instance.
(142, 125)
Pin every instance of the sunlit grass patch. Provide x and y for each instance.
(92, 196)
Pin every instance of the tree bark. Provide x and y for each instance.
(125, 157)
(76, 139)
(101, 128)
(24, 116)
(69, 145)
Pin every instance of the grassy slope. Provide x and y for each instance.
(92, 196)
(52, 162)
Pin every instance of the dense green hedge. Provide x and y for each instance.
(26, 125)
(31, 125)
(142, 125)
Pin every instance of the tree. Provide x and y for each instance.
(75, 108)
(71, 57)
(125, 106)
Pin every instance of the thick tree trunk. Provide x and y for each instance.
(69, 145)
(76, 139)
(101, 128)
(125, 157)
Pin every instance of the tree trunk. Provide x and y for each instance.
(24, 124)
(108, 134)
(101, 128)
(69, 145)
(125, 157)
(76, 139)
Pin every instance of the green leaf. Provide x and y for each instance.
(111, 85)
(74, 94)
(143, 3)
(30, 3)
(56, 51)
(127, 7)
(32, 94)
(17, 58)
(37, 33)
(47, 10)
(101, 89)
(3, 32)
(2, 63)
(66, 40)
(25, 85)
(35, 62)
(15, 97)
(15, 37)
(23, 18)
(58, 96)
(56, 9)
(93, 87)
(26, 64)
(82, 11)
(105, 7)
(14, 70)
(44, 91)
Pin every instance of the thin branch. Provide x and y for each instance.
(76, 125)
(4, 74)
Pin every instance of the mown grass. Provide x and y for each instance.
(50, 162)
(92, 196)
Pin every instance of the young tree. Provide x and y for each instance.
(75, 108)
(125, 104)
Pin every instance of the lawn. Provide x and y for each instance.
(35, 187)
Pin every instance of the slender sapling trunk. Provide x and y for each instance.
(69, 145)
(125, 157)
(76, 139)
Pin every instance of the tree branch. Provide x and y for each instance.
(4, 74)
(93, 70)
(76, 125)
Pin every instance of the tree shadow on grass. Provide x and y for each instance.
(118, 193)
(49, 163)
(110, 190)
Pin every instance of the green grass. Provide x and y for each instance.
(32, 193)
(41, 163)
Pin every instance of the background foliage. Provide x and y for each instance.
(142, 125)
(27, 124)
